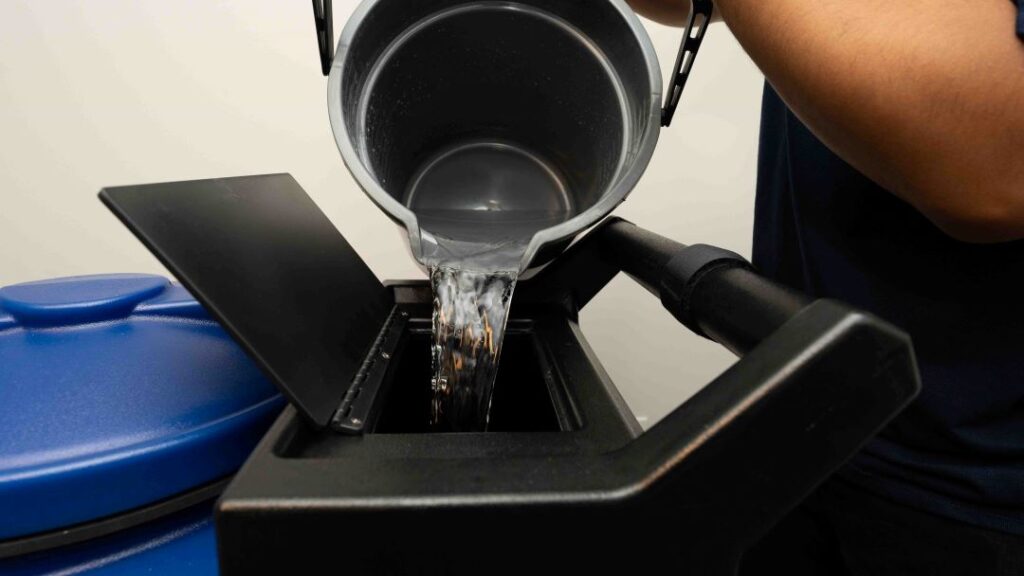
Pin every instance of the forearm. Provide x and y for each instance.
(926, 97)
(671, 12)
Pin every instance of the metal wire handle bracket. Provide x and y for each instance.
(323, 16)
(696, 26)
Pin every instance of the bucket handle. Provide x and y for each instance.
(696, 26)
(323, 17)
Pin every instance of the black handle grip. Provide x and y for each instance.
(714, 292)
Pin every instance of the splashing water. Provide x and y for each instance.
(470, 315)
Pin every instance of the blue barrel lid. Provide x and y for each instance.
(116, 391)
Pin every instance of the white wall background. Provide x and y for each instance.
(112, 92)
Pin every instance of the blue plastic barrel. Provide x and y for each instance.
(118, 395)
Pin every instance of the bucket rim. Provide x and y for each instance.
(623, 184)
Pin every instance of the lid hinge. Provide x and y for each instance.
(360, 406)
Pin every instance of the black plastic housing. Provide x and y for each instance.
(592, 496)
(565, 481)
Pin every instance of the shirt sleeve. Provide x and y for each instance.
(1020, 19)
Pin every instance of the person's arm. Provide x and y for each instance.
(671, 12)
(926, 97)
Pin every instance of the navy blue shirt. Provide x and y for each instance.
(1020, 18)
(825, 229)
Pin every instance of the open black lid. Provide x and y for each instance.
(268, 264)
